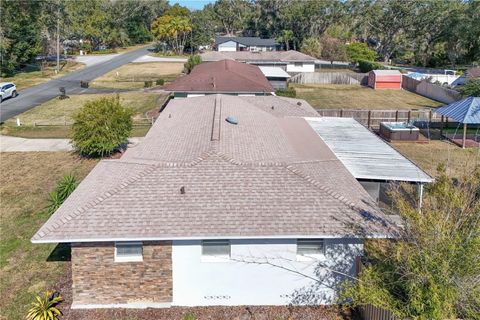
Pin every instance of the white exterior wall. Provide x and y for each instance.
(227, 46)
(306, 67)
(239, 281)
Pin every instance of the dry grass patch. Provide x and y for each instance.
(336, 96)
(26, 180)
(430, 155)
(59, 112)
(27, 79)
(133, 75)
(52, 119)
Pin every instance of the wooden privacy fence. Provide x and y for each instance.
(370, 312)
(430, 90)
(329, 78)
(372, 118)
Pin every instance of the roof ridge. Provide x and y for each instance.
(107, 194)
(328, 190)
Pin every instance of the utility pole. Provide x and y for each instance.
(58, 37)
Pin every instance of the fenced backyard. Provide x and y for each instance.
(372, 118)
(330, 78)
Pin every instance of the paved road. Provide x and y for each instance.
(33, 96)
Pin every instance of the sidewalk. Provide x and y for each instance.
(15, 144)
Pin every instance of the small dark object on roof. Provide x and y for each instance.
(182, 190)
(232, 120)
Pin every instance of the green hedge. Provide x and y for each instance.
(290, 92)
(366, 66)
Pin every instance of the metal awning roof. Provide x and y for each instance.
(464, 111)
(364, 154)
(274, 72)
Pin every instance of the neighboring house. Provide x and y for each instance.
(372, 161)
(276, 76)
(385, 79)
(226, 76)
(244, 44)
(206, 212)
(291, 61)
(470, 73)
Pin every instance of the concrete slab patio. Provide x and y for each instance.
(16, 144)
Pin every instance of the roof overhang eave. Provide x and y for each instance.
(133, 238)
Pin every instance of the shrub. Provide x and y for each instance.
(148, 84)
(189, 316)
(360, 51)
(192, 62)
(160, 82)
(471, 88)
(366, 66)
(289, 92)
(61, 192)
(101, 126)
(312, 47)
(45, 307)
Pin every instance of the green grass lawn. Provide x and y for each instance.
(52, 118)
(34, 76)
(134, 75)
(336, 96)
(26, 180)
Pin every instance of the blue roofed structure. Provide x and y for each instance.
(466, 111)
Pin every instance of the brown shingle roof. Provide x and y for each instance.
(247, 56)
(225, 76)
(269, 176)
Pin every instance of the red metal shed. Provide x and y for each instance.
(385, 79)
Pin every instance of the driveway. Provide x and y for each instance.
(90, 60)
(16, 144)
(149, 58)
(41, 93)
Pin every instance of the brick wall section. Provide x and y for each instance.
(98, 279)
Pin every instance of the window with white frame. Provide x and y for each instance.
(216, 249)
(310, 247)
(128, 251)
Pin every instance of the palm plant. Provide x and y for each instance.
(63, 189)
(45, 307)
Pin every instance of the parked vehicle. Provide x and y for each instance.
(7, 90)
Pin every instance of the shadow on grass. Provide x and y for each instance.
(61, 252)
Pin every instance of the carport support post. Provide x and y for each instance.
(464, 135)
(420, 196)
(441, 127)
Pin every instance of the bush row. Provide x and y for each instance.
(367, 66)
(289, 92)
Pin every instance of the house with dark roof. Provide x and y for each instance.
(291, 61)
(224, 76)
(244, 44)
(228, 200)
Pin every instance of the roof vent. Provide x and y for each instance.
(182, 190)
(232, 120)
(273, 107)
(299, 103)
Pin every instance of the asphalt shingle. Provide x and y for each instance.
(268, 176)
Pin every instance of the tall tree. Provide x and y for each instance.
(20, 40)
(233, 14)
(173, 27)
